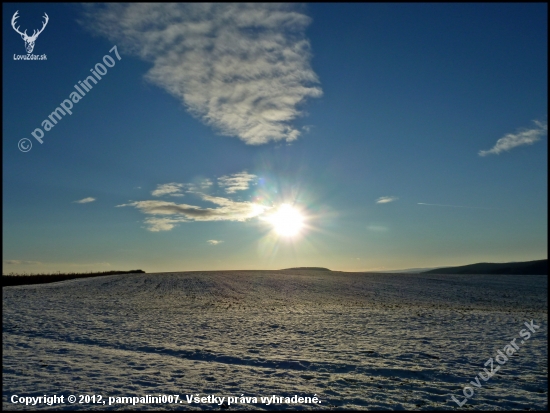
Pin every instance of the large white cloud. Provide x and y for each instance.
(523, 137)
(243, 68)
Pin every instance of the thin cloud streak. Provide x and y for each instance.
(386, 199)
(214, 242)
(453, 206)
(21, 262)
(243, 68)
(84, 201)
(512, 140)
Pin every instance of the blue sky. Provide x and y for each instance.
(406, 135)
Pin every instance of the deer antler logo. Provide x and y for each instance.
(29, 40)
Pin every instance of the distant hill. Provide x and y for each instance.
(307, 268)
(539, 267)
(406, 270)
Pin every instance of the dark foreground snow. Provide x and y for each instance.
(359, 341)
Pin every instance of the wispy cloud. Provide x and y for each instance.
(21, 262)
(243, 68)
(155, 224)
(214, 242)
(386, 199)
(176, 189)
(453, 206)
(236, 182)
(199, 185)
(522, 137)
(85, 200)
(172, 189)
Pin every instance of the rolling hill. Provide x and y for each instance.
(539, 267)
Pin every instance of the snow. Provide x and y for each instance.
(355, 340)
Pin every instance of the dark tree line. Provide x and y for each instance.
(26, 279)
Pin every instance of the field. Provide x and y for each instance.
(357, 341)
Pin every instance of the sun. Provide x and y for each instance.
(287, 221)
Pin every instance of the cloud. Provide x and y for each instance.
(522, 137)
(162, 224)
(198, 186)
(172, 189)
(85, 200)
(20, 262)
(243, 68)
(386, 199)
(227, 210)
(453, 206)
(214, 242)
(175, 189)
(236, 182)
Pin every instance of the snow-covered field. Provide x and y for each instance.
(359, 341)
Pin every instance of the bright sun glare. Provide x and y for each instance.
(287, 221)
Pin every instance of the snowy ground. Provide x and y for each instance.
(358, 341)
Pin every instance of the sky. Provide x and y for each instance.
(357, 137)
